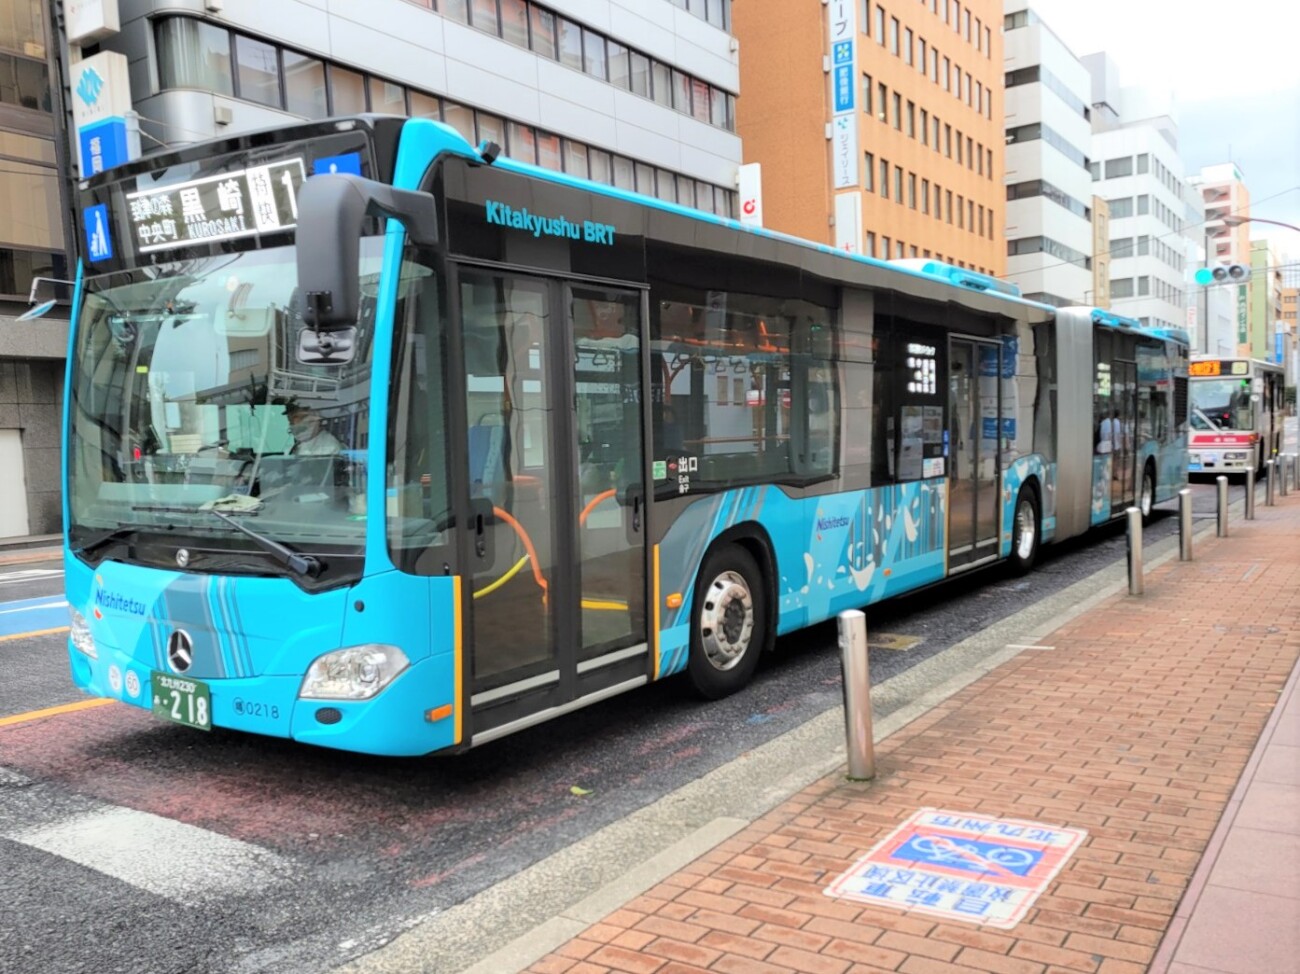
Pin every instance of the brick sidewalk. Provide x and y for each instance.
(1135, 726)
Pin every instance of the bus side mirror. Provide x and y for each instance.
(332, 208)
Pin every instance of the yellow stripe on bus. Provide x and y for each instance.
(66, 708)
(654, 569)
(458, 650)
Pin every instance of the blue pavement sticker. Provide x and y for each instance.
(961, 867)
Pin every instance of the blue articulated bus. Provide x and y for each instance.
(379, 442)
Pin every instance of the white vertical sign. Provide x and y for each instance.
(749, 182)
(842, 38)
(91, 20)
(848, 222)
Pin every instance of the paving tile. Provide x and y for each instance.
(1280, 765)
(1260, 862)
(1241, 933)
(1273, 808)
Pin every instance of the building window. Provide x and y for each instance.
(884, 179)
(871, 244)
(925, 197)
(898, 185)
(907, 45)
(925, 127)
(304, 85)
(1122, 166)
(348, 94)
(911, 119)
(911, 190)
(868, 182)
(867, 93)
(883, 93)
(1144, 286)
(1121, 287)
(893, 36)
(898, 111)
(194, 54)
(920, 52)
(880, 25)
(1143, 205)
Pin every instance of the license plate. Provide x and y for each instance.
(182, 701)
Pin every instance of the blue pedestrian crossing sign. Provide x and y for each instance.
(99, 239)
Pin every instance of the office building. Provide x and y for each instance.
(32, 242)
(1225, 237)
(1049, 221)
(1136, 168)
(641, 95)
(1265, 314)
(899, 153)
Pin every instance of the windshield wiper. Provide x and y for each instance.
(1211, 423)
(308, 565)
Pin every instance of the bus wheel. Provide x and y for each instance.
(1025, 532)
(729, 622)
(1147, 499)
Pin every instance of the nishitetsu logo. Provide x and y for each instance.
(104, 599)
(90, 86)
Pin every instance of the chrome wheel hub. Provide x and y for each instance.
(1147, 496)
(1026, 530)
(726, 620)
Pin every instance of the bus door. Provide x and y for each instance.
(556, 503)
(1123, 435)
(974, 424)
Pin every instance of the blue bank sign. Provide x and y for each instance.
(101, 99)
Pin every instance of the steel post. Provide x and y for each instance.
(857, 694)
(1270, 471)
(1250, 494)
(1222, 483)
(1185, 524)
(1134, 551)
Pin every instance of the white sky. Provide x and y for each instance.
(1233, 70)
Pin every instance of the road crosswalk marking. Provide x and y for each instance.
(181, 862)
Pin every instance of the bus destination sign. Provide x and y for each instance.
(244, 203)
(1216, 366)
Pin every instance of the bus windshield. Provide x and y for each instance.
(1223, 403)
(188, 395)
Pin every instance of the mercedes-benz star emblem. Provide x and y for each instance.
(183, 557)
(180, 650)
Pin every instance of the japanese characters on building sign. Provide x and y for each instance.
(262, 199)
(842, 34)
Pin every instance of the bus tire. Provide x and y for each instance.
(1147, 497)
(728, 622)
(1026, 531)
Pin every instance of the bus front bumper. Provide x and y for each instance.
(1219, 461)
(403, 720)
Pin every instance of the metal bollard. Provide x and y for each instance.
(1185, 524)
(1222, 482)
(1271, 473)
(1281, 465)
(1134, 550)
(857, 694)
(1250, 493)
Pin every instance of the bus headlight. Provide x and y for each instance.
(79, 633)
(354, 673)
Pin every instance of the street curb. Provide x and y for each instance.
(536, 910)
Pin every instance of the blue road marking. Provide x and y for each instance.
(29, 615)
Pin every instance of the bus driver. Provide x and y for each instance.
(310, 438)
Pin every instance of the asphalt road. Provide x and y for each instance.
(131, 845)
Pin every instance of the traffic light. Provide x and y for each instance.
(1223, 274)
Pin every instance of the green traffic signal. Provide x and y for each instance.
(1205, 276)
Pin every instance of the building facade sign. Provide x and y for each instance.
(842, 39)
(101, 99)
